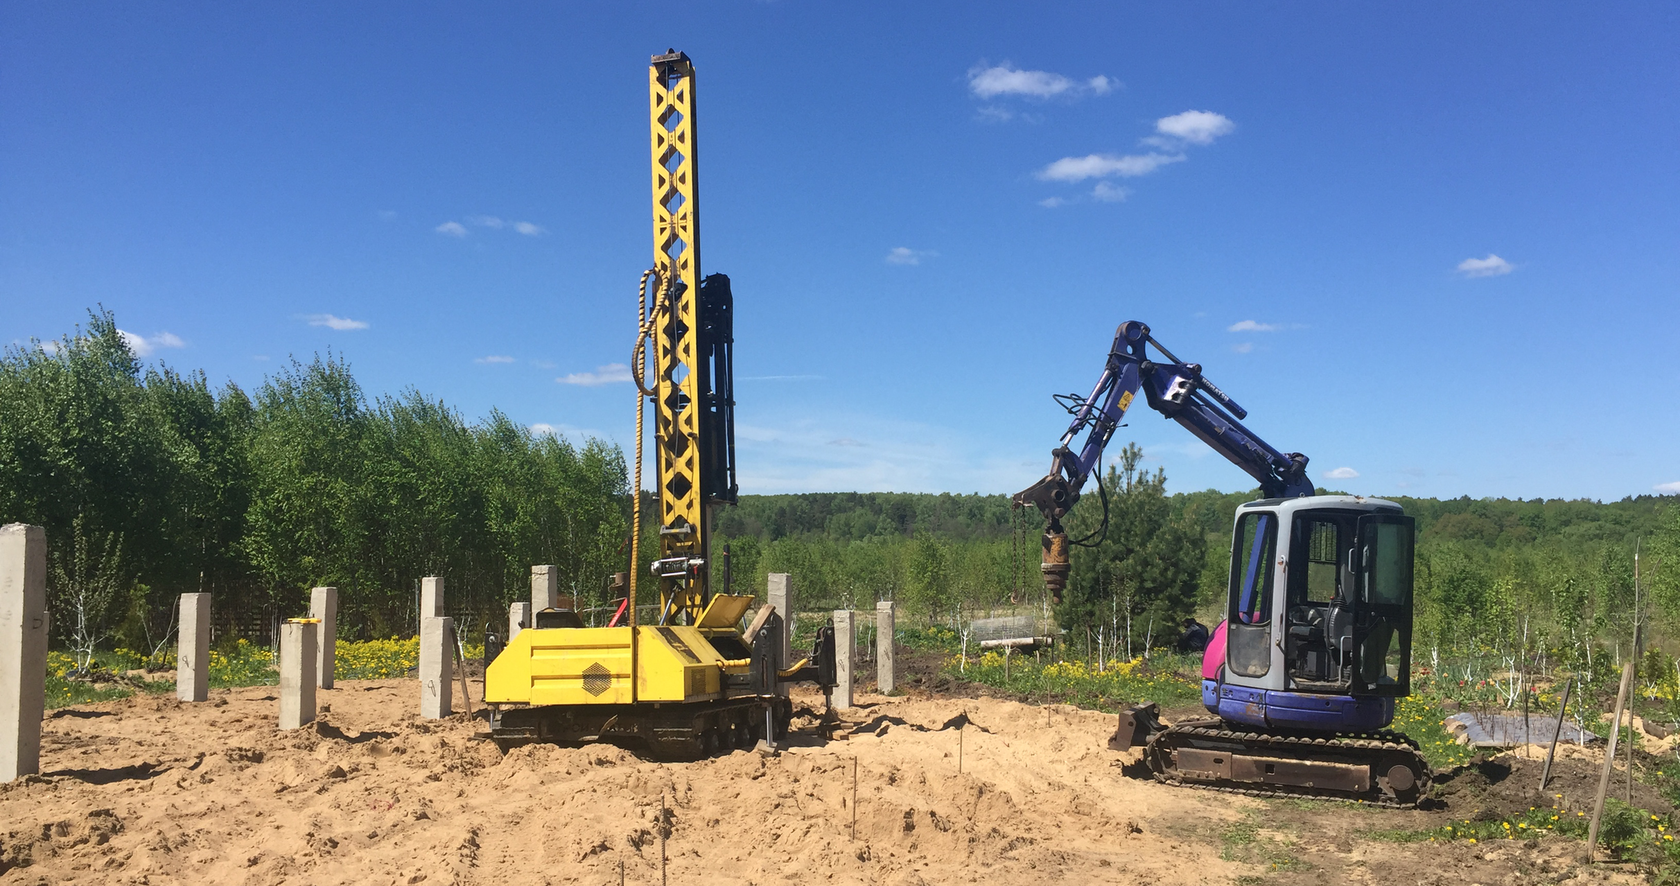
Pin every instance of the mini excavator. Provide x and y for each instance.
(1302, 674)
(694, 682)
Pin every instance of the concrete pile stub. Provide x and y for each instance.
(780, 591)
(845, 638)
(323, 605)
(436, 695)
(545, 588)
(431, 597)
(884, 628)
(23, 648)
(519, 618)
(192, 650)
(297, 672)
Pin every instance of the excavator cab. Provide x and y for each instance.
(1319, 621)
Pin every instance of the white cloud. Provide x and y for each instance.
(452, 229)
(798, 453)
(1004, 80)
(1195, 127)
(1109, 193)
(1052, 202)
(544, 429)
(332, 321)
(486, 221)
(903, 255)
(1252, 326)
(612, 373)
(493, 358)
(50, 348)
(1668, 488)
(1243, 347)
(529, 229)
(145, 347)
(1340, 474)
(1492, 266)
(1072, 169)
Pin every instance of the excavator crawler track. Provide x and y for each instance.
(1383, 768)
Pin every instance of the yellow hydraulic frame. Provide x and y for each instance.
(675, 329)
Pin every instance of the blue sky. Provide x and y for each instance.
(1433, 247)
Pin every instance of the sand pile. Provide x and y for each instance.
(149, 791)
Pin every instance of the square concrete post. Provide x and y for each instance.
(23, 648)
(436, 697)
(781, 597)
(192, 649)
(519, 618)
(545, 588)
(323, 604)
(431, 597)
(297, 673)
(884, 626)
(845, 639)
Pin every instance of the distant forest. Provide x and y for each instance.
(152, 483)
(1487, 569)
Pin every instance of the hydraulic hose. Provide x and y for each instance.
(645, 311)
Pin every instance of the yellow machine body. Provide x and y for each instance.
(591, 666)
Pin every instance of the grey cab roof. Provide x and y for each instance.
(1340, 502)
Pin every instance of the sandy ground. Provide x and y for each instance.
(150, 791)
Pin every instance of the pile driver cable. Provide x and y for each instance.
(645, 311)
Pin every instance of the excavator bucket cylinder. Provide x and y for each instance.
(1055, 563)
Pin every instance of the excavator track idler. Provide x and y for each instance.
(1382, 768)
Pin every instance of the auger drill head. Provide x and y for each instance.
(1055, 561)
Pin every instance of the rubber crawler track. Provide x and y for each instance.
(1386, 747)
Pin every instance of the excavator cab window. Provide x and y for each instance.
(1382, 640)
(1318, 616)
(1248, 649)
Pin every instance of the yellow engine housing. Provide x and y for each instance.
(591, 666)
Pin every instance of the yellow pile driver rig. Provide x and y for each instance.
(694, 682)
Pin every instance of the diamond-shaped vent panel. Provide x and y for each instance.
(596, 679)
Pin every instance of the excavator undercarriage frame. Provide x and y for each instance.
(1383, 767)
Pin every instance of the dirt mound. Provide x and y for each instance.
(948, 790)
(1493, 787)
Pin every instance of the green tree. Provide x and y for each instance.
(1143, 568)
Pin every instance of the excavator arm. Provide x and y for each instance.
(1171, 387)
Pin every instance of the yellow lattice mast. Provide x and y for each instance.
(683, 529)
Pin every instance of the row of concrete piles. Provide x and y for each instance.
(307, 653)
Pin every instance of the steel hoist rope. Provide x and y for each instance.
(646, 310)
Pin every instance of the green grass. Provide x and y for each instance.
(1107, 688)
(1242, 841)
(1423, 720)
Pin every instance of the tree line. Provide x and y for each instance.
(152, 483)
(1552, 577)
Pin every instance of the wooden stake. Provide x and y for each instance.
(1609, 759)
(461, 660)
(1633, 738)
(854, 799)
(1546, 771)
(662, 880)
(960, 729)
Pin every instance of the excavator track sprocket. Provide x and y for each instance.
(1383, 768)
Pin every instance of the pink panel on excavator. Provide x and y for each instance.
(1213, 657)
